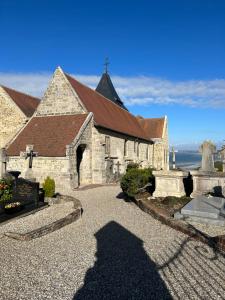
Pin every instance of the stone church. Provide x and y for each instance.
(85, 136)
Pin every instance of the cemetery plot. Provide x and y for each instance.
(23, 197)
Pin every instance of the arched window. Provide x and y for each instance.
(107, 145)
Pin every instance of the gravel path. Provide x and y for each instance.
(115, 251)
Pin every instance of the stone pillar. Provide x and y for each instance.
(169, 183)
(3, 161)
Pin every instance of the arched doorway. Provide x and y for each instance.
(80, 153)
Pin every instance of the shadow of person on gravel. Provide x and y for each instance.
(123, 270)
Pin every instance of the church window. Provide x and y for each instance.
(125, 148)
(107, 145)
(147, 152)
(138, 149)
(134, 147)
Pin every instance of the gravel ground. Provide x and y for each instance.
(115, 251)
(41, 218)
(211, 230)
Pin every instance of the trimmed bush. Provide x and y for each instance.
(49, 187)
(132, 165)
(134, 179)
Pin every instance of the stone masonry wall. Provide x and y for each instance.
(60, 98)
(86, 164)
(55, 167)
(117, 141)
(11, 118)
(161, 152)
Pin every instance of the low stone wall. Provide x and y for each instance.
(55, 167)
(44, 230)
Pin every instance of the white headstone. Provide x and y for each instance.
(207, 149)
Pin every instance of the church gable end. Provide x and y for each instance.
(60, 98)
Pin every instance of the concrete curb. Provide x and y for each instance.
(44, 230)
(217, 242)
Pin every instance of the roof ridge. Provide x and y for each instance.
(98, 93)
(26, 94)
(137, 124)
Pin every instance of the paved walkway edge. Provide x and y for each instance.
(72, 217)
(217, 242)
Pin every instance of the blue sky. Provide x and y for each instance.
(167, 56)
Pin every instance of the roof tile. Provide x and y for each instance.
(26, 103)
(49, 135)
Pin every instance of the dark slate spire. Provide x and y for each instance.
(106, 88)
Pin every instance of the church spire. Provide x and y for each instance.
(105, 87)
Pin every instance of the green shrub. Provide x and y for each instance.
(219, 166)
(132, 165)
(49, 187)
(135, 179)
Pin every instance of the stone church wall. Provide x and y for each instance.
(60, 98)
(117, 153)
(55, 167)
(11, 118)
(161, 152)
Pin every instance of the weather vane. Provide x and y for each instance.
(106, 64)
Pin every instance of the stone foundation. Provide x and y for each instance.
(169, 183)
(204, 182)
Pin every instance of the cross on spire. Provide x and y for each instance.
(106, 64)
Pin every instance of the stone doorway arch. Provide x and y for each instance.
(83, 164)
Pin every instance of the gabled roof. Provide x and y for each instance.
(26, 103)
(106, 113)
(105, 87)
(50, 135)
(153, 127)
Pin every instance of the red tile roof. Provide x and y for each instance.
(49, 135)
(106, 113)
(26, 103)
(153, 127)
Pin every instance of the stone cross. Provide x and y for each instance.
(3, 161)
(207, 149)
(29, 153)
(118, 164)
(173, 158)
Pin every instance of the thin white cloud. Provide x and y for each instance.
(139, 90)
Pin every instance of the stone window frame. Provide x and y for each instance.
(138, 150)
(147, 151)
(107, 144)
(125, 150)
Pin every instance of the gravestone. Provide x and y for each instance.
(174, 158)
(26, 192)
(222, 154)
(207, 149)
(204, 210)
